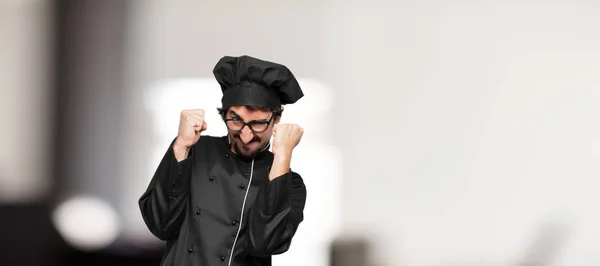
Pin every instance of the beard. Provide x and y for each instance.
(244, 152)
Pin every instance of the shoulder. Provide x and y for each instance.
(208, 142)
(212, 139)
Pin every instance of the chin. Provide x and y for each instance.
(248, 154)
(248, 151)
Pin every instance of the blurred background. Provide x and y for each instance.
(438, 133)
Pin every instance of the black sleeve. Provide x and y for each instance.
(276, 215)
(163, 203)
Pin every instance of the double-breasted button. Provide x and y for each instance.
(222, 258)
(211, 178)
(233, 222)
(242, 186)
(226, 155)
(191, 249)
(198, 212)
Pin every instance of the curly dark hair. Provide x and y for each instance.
(277, 111)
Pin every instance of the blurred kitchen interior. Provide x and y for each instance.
(438, 133)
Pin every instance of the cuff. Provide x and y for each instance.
(277, 193)
(178, 181)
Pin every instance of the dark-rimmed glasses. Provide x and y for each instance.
(257, 126)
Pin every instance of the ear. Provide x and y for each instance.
(277, 119)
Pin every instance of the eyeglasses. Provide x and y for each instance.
(257, 126)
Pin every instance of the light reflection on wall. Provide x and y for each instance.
(86, 222)
(316, 159)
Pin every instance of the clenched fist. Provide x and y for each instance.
(285, 138)
(191, 124)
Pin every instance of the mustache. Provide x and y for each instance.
(254, 139)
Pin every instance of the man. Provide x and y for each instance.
(229, 200)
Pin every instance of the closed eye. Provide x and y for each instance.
(259, 122)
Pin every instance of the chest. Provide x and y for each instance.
(221, 186)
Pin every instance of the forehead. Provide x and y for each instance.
(248, 114)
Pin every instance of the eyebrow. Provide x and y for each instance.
(233, 113)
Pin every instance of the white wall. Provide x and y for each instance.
(466, 128)
(470, 125)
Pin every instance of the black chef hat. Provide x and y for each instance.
(246, 80)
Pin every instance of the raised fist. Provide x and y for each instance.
(286, 137)
(191, 124)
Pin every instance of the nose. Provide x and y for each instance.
(246, 135)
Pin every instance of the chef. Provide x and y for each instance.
(231, 200)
